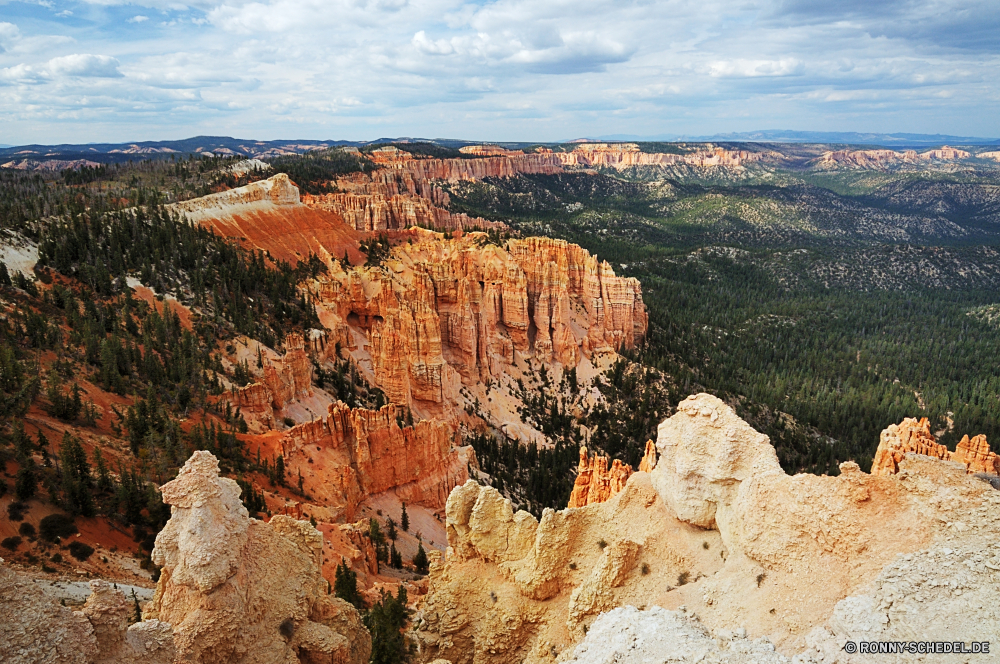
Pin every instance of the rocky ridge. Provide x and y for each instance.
(35, 629)
(798, 563)
(913, 436)
(597, 483)
(237, 589)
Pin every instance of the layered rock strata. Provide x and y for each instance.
(912, 436)
(882, 159)
(240, 590)
(351, 454)
(440, 313)
(718, 527)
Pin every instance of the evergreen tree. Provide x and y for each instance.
(420, 560)
(345, 586)
(77, 484)
(279, 470)
(385, 621)
(404, 520)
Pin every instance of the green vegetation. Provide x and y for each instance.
(384, 621)
(345, 585)
(789, 300)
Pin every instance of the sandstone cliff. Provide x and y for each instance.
(351, 454)
(268, 216)
(913, 436)
(717, 527)
(627, 155)
(597, 483)
(882, 159)
(240, 590)
(441, 313)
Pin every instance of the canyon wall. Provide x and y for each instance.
(801, 562)
(882, 159)
(351, 454)
(442, 312)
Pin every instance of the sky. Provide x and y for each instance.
(508, 70)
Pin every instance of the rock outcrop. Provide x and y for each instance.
(912, 436)
(240, 590)
(268, 216)
(351, 454)
(34, 629)
(441, 313)
(883, 159)
(807, 561)
(628, 155)
(595, 482)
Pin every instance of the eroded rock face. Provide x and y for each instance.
(35, 629)
(718, 527)
(912, 436)
(241, 590)
(595, 482)
(447, 312)
(354, 453)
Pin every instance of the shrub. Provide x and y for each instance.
(56, 525)
(760, 578)
(645, 569)
(602, 543)
(56, 557)
(80, 551)
(289, 422)
(47, 569)
(682, 578)
(704, 545)
(26, 530)
(572, 565)
(11, 542)
(16, 511)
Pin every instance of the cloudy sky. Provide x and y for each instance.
(104, 70)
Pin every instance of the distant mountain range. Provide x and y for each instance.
(11, 156)
(789, 136)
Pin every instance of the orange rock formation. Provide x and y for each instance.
(595, 482)
(913, 436)
(446, 311)
(648, 462)
(354, 453)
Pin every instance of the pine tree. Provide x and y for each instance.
(279, 470)
(420, 560)
(404, 520)
(345, 585)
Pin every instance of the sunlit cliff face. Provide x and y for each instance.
(202, 541)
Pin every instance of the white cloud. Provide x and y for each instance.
(503, 69)
(86, 65)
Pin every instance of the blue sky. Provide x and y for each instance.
(532, 70)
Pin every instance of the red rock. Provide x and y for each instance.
(648, 462)
(913, 436)
(595, 482)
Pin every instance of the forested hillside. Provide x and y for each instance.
(823, 305)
